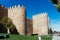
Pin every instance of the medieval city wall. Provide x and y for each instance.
(3, 11)
(17, 14)
(40, 24)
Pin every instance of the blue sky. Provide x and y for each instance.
(34, 7)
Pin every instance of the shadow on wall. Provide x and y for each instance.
(3, 29)
(14, 30)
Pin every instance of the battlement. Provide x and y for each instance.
(41, 23)
(3, 6)
(17, 15)
(41, 14)
(15, 7)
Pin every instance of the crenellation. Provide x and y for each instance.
(40, 24)
(2, 6)
(18, 14)
(15, 6)
(18, 6)
(43, 13)
(10, 8)
(22, 6)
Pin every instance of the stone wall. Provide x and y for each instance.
(24, 26)
(29, 26)
(17, 14)
(3, 11)
(40, 24)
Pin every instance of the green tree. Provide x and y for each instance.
(57, 4)
(7, 22)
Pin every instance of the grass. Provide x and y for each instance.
(20, 37)
(46, 37)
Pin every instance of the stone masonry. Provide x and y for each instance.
(40, 24)
(17, 14)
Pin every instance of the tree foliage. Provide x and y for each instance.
(57, 4)
(54, 1)
(7, 22)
